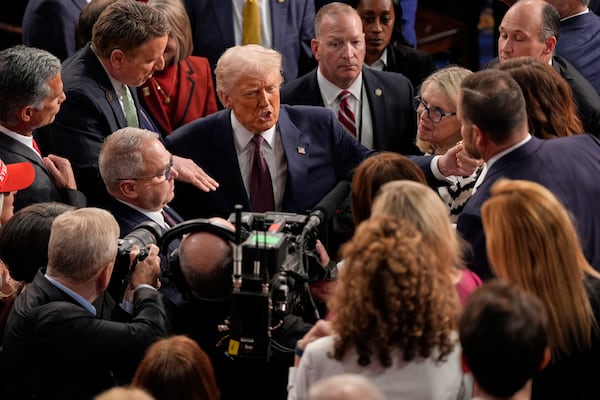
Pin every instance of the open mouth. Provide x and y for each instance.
(266, 116)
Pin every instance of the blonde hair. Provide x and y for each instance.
(531, 241)
(421, 206)
(181, 30)
(447, 81)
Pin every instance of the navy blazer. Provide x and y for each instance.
(292, 24)
(52, 25)
(43, 187)
(390, 97)
(89, 114)
(579, 43)
(318, 150)
(568, 166)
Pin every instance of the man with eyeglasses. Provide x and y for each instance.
(138, 174)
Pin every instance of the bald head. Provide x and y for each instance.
(205, 261)
(345, 387)
(530, 28)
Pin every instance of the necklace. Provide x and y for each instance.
(167, 97)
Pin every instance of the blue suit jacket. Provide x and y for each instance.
(318, 150)
(569, 167)
(52, 25)
(390, 97)
(43, 187)
(579, 44)
(90, 113)
(292, 25)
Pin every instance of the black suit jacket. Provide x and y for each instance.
(43, 188)
(586, 98)
(416, 65)
(128, 218)
(390, 97)
(54, 348)
(89, 114)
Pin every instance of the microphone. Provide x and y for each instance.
(327, 206)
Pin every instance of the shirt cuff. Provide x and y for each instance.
(437, 174)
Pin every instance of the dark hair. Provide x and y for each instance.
(550, 23)
(372, 173)
(503, 337)
(177, 368)
(551, 109)
(493, 101)
(24, 239)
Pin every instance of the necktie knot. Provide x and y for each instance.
(345, 113)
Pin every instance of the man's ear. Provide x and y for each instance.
(117, 58)
(550, 45)
(128, 189)
(479, 139)
(26, 113)
(103, 278)
(314, 46)
(463, 363)
(225, 99)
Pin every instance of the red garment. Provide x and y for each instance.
(189, 89)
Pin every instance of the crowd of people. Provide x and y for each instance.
(429, 232)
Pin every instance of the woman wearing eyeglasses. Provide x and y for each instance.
(438, 129)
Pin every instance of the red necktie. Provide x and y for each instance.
(345, 114)
(35, 146)
(261, 186)
(168, 220)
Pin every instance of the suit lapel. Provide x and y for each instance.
(189, 74)
(376, 98)
(296, 147)
(14, 146)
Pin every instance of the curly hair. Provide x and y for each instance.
(392, 295)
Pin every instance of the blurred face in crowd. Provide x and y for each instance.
(50, 107)
(139, 65)
(255, 101)
(155, 187)
(378, 24)
(520, 32)
(340, 48)
(445, 132)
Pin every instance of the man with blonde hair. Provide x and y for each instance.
(55, 346)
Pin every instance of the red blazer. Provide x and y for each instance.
(179, 94)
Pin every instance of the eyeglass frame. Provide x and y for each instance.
(166, 173)
(418, 101)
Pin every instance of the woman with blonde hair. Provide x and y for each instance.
(531, 242)
(394, 318)
(421, 206)
(438, 129)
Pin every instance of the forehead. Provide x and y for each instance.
(341, 24)
(375, 5)
(266, 79)
(525, 19)
(151, 50)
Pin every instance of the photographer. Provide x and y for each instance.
(205, 261)
(139, 176)
(54, 345)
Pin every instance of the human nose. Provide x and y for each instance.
(262, 98)
(160, 64)
(377, 25)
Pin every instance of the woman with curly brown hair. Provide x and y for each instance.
(551, 110)
(394, 318)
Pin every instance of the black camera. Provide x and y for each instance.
(148, 232)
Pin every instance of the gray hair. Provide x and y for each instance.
(81, 243)
(24, 75)
(121, 155)
(239, 62)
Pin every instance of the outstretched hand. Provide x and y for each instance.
(456, 162)
(189, 172)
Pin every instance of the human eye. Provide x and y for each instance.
(386, 19)
(368, 18)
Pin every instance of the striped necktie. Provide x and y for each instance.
(345, 114)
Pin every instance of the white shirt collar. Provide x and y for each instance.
(381, 63)
(76, 296)
(155, 216)
(330, 91)
(587, 10)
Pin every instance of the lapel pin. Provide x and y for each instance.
(280, 1)
(301, 150)
(146, 92)
(378, 92)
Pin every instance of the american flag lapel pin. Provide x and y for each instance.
(301, 150)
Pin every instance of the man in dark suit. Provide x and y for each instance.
(31, 87)
(52, 25)
(55, 346)
(286, 26)
(301, 153)
(491, 109)
(138, 173)
(380, 102)
(99, 80)
(531, 28)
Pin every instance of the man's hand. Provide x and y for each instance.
(189, 172)
(456, 162)
(61, 171)
(146, 271)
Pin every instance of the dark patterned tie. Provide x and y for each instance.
(261, 186)
(345, 114)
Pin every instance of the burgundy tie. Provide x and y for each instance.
(35, 146)
(345, 114)
(261, 187)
